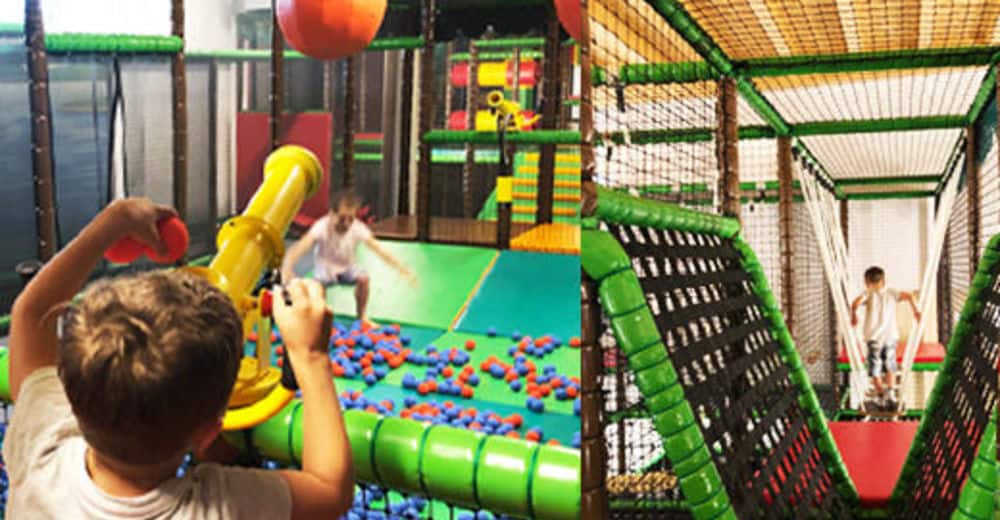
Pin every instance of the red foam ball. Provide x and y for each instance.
(328, 30)
(174, 234)
(125, 251)
(568, 12)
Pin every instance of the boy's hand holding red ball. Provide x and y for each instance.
(150, 229)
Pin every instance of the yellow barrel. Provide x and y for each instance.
(492, 74)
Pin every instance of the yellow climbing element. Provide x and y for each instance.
(549, 238)
(248, 245)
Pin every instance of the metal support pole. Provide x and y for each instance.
(727, 147)
(471, 108)
(405, 114)
(785, 230)
(41, 131)
(426, 116)
(179, 92)
(973, 195)
(550, 120)
(350, 121)
(277, 77)
(593, 450)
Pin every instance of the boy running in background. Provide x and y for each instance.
(112, 391)
(880, 333)
(334, 240)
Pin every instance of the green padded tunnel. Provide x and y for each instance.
(689, 308)
(461, 467)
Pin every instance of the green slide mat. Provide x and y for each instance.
(533, 293)
(447, 274)
(565, 359)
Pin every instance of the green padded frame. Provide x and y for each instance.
(971, 504)
(624, 304)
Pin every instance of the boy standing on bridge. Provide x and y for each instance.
(880, 333)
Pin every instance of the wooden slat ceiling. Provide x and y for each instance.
(747, 29)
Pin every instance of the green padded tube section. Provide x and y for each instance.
(475, 137)
(505, 465)
(624, 303)
(959, 336)
(4, 380)
(448, 464)
(555, 486)
(790, 356)
(978, 496)
(621, 208)
(396, 451)
(360, 433)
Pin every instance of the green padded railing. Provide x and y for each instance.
(632, 322)
(984, 278)
(978, 498)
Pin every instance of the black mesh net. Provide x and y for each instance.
(729, 363)
(640, 482)
(954, 425)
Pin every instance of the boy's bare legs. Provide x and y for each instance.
(361, 291)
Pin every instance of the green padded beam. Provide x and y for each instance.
(951, 369)
(689, 72)
(982, 96)
(883, 181)
(474, 137)
(977, 501)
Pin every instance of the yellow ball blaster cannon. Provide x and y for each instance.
(509, 111)
(248, 246)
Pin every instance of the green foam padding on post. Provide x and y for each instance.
(447, 274)
(67, 43)
(620, 208)
(952, 366)
(533, 293)
(474, 137)
(978, 498)
(558, 415)
(360, 428)
(555, 490)
(504, 468)
(397, 448)
(449, 463)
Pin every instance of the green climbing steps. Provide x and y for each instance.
(566, 203)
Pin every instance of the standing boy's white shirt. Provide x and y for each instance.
(880, 316)
(44, 452)
(336, 253)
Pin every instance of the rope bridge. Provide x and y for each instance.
(707, 362)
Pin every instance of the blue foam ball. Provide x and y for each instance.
(409, 401)
(561, 394)
(378, 358)
(491, 332)
(473, 380)
(516, 335)
(381, 372)
(431, 348)
(349, 371)
(576, 406)
(515, 385)
(512, 350)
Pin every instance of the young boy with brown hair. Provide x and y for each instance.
(880, 334)
(111, 392)
(335, 239)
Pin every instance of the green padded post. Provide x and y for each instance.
(449, 464)
(604, 260)
(977, 500)
(504, 467)
(397, 448)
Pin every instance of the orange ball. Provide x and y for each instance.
(330, 30)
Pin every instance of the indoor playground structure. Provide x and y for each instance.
(463, 399)
(744, 164)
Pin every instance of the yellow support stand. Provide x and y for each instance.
(248, 245)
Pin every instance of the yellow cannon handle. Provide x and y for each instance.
(503, 108)
(248, 245)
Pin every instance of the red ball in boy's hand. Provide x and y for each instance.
(125, 251)
(173, 234)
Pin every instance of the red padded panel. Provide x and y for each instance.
(926, 353)
(311, 130)
(874, 453)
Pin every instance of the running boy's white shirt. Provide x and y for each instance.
(335, 252)
(44, 453)
(880, 315)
